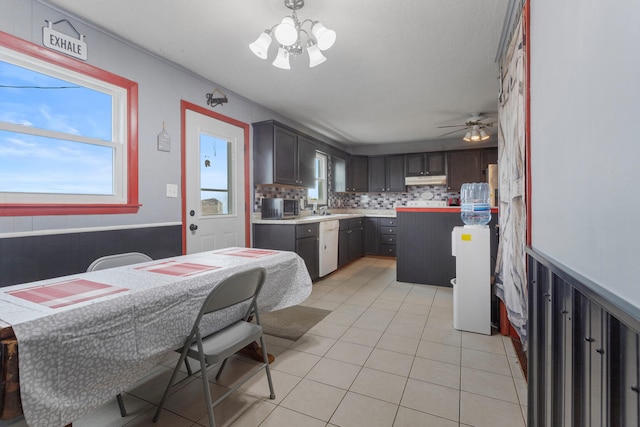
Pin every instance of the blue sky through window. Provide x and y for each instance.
(38, 164)
(214, 170)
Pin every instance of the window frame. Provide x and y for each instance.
(324, 178)
(128, 177)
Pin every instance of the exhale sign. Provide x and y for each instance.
(63, 43)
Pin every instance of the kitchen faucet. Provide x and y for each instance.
(323, 210)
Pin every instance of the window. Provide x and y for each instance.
(68, 136)
(215, 176)
(319, 193)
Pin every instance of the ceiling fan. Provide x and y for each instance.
(475, 127)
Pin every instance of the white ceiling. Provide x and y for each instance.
(398, 70)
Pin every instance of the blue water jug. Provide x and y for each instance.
(474, 198)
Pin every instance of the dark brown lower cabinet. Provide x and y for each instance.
(350, 240)
(583, 356)
(380, 236)
(301, 239)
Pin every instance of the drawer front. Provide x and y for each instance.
(388, 250)
(345, 224)
(306, 230)
(385, 222)
(388, 239)
(387, 230)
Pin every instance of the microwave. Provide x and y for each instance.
(278, 208)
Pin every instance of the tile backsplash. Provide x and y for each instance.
(356, 200)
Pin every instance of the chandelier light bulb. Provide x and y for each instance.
(282, 60)
(467, 136)
(286, 33)
(315, 56)
(484, 135)
(475, 135)
(325, 37)
(260, 47)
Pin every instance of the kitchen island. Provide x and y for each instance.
(424, 244)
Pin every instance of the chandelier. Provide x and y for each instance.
(288, 33)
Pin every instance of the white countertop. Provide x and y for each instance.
(336, 214)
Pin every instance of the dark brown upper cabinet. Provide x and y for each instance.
(282, 156)
(468, 166)
(357, 174)
(423, 164)
(386, 173)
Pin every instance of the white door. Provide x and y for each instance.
(214, 181)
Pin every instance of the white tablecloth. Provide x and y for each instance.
(74, 358)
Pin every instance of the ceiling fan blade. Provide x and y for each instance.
(452, 126)
(452, 132)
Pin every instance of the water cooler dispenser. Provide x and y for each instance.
(470, 245)
(472, 285)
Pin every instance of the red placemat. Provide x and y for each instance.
(61, 294)
(174, 268)
(248, 253)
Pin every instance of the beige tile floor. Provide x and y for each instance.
(387, 355)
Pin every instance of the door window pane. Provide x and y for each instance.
(215, 176)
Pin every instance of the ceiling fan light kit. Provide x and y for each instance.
(475, 127)
(477, 133)
(289, 33)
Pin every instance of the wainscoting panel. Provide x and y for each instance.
(30, 258)
(583, 366)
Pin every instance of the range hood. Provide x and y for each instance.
(426, 180)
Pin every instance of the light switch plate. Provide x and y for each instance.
(172, 190)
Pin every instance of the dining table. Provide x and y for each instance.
(70, 344)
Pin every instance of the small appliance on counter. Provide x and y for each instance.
(278, 208)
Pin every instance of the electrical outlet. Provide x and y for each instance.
(172, 190)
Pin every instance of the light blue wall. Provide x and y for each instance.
(161, 88)
(585, 151)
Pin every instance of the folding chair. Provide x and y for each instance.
(112, 261)
(216, 348)
(118, 260)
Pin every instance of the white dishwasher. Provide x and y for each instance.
(328, 256)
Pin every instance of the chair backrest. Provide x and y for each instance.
(118, 260)
(235, 289)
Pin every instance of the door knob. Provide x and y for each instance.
(193, 227)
